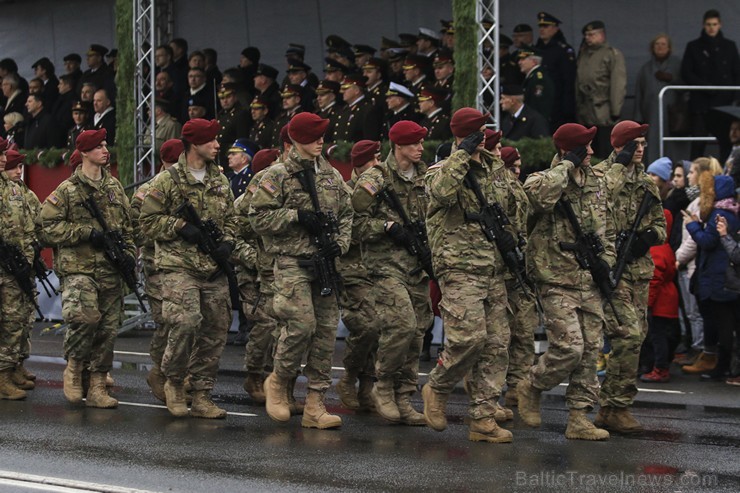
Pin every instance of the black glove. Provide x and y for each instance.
(191, 234)
(506, 241)
(223, 250)
(576, 156)
(128, 263)
(397, 234)
(97, 238)
(310, 221)
(625, 155)
(470, 143)
(643, 241)
(331, 250)
(602, 272)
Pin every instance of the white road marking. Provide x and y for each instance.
(160, 406)
(61, 485)
(654, 391)
(131, 353)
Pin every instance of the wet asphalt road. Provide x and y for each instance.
(692, 442)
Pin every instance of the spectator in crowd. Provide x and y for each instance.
(509, 73)
(363, 53)
(14, 128)
(41, 129)
(559, 61)
(710, 60)
(240, 154)
(87, 93)
(163, 63)
(196, 108)
(267, 88)
(213, 74)
(14, 98)
(435, 119)
(522, 36)
(601, 85)
(427, 42)
(98, 72)
(395, 62)
(111, 58)
(677, 200)
(661, 171)
(9, 67)
(234, 76)
(36, 86)
(197, 59)
(166, 126)
(399, 100)
(45, 71)
(519, 120)
(731, 244)
(291, 96)
(105, 115)
(263, 128)
(82, 118)
(165, 90)
(72, 63)
(298, 76)
(62, 109)
(661, 70)
(199, 92)
(327, 107)
(539, 92)
(179, 60)
(717, 304)
(375, 71)
(235, 121)
(249, 64)
(333, 70)
(359, 119)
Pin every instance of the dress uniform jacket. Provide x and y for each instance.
(358, 121)
(262, 132)
(235, 124)
(559, 61)
(438, 125)
(529, 123)
(539, 92)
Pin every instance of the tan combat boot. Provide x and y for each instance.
(253, 385)
(156, 379)
(409, 415)
(703, 364)
(618, 419)
(434, 408)
(347, 391)
(20, 381)
(529, 403)
(503, 414)
(276, 398)
(203, 406)
(97, 394)
(73, 381)
(581, 428)
(510, 398)
(296, 407)
(364, 397)
(109, 382)
(315, 415)
(174, 393)
(8, 390)
(384, 399)
(26, 374)
(486, 430)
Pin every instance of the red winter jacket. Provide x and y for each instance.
(663, 298)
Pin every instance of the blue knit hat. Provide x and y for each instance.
(663, 168)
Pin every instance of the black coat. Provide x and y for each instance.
(42, 132)
(408, 113)
(530, 123)
(710, 62)
(559, 61)
(358, 122)
(108, 122)
(62, 110)
(438, 126)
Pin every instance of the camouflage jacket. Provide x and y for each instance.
(626, 190)
(273, 209)
(353, 270)
(145, 243)
(586, 190)
(380, 255)
(458, 243)
(212, 199)
(17, 216)
(66, 224)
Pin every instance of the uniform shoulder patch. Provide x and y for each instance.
(141, 194)
(53, 199)
(156, 195)
(268, 186)
(252, 188)
(369, 188)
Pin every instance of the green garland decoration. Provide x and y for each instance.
(465, 84)
(53, 157)
(125, 104)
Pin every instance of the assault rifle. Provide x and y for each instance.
(626, 239)
(416, 233)
(16, 265)
(114, 248)
(492, 219)
(587, 248)
(324, 265)
(42, 271)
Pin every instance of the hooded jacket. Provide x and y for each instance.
(663, 295)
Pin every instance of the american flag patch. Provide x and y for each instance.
(370, 188)
(252, 188)
(269, 186)
(156, 194)
(141, 194)
(52, 199)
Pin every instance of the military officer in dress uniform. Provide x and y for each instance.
(298, 75)
(334, 70)
(363, 54)
(267, 88)
(521, 36)
(291, 95)
(519, 120)
(399, 100)
(415, 71)
(81, 114)
(444, 70)
(435, 118)
(328, 106)
(240, 155)
(508, 66)
(375, 71)
(360, 119)
(538, 88)
(263, 127)
(235, 121)
(559, 61)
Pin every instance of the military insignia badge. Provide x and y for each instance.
(156, 195)
(53, 199)
(370, 188)
(538, 90)
(539, 75)
(269, 186)
(141, 194)
(252, 188)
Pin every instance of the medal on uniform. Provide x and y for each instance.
(111, 196)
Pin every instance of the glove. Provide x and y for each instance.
(191, 234)
(506, 241)
(625, 155)
(332, 250)
(223, 250)
(128, 263)
(602, 272)
(397, 234)
(644, 240)
(663, 76)
(576, 156)
(470, 143)
(97, 239)
(310, 221)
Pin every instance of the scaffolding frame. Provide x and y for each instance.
(488, 37)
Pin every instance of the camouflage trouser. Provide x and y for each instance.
(630, 299)
(93, 307)
(13, 321)
(310, 325)
(404, 312)
(473, 310)
(358, 315)
(154, 295)
(198, 314)
(25, 349)
(258, 355)
(523, 321)
(574, 324)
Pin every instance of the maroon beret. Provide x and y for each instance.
(3, 144)
(572, 135)
(75, 158)
(307, 127)
(13, 159)
(363, 151)
(492, 138)
(171, 150)
(509, 155)
(627, 131)
(90, 139)
(284, 137)
(465, 121)
(406, 132)
(263, 159)
(199, 131)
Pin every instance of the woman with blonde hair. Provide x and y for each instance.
(14, 128)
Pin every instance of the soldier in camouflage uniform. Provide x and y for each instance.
(628, 183)
(195, 295)
(573, 305)
(169, 154)
(17, 229)
(471, 278)
(401, 286)
(358, 304)
(92, 290)
(282, 213)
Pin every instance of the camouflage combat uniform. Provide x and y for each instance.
(471, 276)
(195, 308)
(33, 211)
(92, 290)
